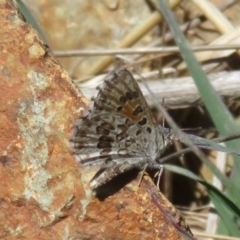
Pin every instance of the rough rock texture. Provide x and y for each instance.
(44, 194)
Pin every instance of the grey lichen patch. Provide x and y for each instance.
(35, 154)
(36, 187)
(33, 128)
(85, 202)
(38, 80)
(34, 125)
(85, 178)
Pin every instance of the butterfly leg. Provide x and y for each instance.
(159, 174)
(158, 167)
(143, 171)
(152, 166)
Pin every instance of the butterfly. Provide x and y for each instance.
(119, 132)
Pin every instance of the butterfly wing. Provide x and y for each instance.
(119, 125)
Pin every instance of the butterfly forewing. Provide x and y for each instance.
(119, 125)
